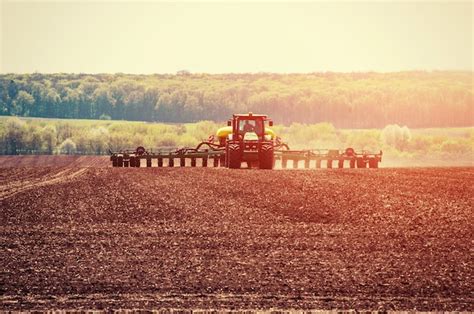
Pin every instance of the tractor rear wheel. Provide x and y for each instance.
(266, 156)
(234, 158)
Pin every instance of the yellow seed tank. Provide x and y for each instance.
(223, 132)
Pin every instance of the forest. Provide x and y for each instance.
(417, 99)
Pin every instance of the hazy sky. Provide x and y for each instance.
(218, 37)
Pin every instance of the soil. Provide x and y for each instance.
(195, 238)
(42, 161)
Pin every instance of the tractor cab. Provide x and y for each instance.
(249, 127)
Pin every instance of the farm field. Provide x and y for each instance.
(42, 161)
(98, 237)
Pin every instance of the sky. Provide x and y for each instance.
(239, 37)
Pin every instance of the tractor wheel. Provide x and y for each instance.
(234, 158)
(266, 157)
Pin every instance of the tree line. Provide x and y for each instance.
(347, 100)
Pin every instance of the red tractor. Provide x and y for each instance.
(249, 141)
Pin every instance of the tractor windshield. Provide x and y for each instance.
(246, 126)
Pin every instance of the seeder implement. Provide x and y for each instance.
(329, 158)
(246, 139)
(283, 159)
(168, 158)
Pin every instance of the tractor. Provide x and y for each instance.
(248, 139)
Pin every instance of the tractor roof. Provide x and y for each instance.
(250, 115)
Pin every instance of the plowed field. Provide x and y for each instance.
(101, 238)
